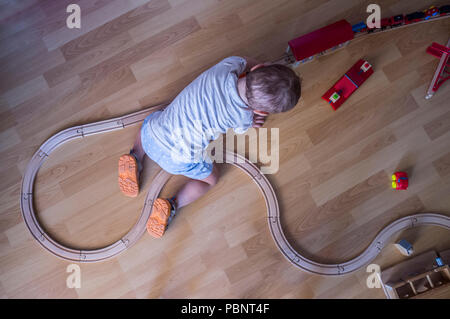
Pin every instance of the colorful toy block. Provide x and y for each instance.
(400, 180)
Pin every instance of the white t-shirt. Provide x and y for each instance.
(207, 107)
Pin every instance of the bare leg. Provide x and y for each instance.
(138, 150)
(162, 212)
(195, 189)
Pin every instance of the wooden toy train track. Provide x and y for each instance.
(273, 212)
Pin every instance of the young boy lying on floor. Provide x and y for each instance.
(236, 93)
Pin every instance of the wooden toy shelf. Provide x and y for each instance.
(429, 283)
(418, 277)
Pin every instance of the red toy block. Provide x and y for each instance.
(348, 84)
(321, 39)
(400, 180)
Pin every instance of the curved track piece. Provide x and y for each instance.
(273, 212)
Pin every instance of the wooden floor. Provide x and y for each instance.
(334, 179)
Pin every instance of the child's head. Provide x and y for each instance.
(272, 88)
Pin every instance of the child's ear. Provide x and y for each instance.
(262, 113)
(257, 67)
(260, 65)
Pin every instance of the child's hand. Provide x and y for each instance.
(258, 120)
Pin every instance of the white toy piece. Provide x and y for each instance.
(334, 97)
(404, 247)
(366, 66)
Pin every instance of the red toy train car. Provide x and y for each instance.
(401, 19)
(348, 84)
(338, 34)
(321, 40)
